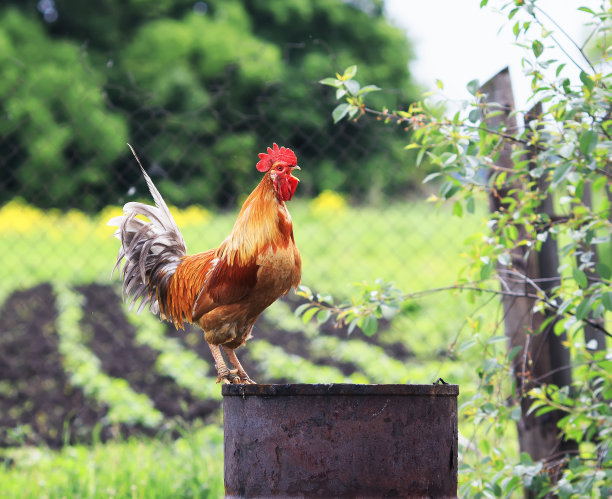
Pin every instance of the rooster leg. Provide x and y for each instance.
(223, 373)
(244, 377)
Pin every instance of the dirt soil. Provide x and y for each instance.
(37, 400)
(38, 404)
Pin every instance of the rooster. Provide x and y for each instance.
(222, 290)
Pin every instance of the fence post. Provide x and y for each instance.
(543, 358)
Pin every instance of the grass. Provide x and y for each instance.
(190, 466)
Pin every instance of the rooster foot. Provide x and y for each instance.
(228, 377)
(242, 376)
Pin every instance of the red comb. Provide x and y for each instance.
(274, 154)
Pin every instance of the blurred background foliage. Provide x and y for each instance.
(196, 88)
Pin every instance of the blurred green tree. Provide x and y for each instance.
(51, 115)
(199, 88)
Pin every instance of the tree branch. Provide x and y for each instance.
(473, 286)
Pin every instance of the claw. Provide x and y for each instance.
(239, 371)
(227, 377)
(244, 378)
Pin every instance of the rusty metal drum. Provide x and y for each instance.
(340, 440)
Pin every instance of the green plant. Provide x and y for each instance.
(83, 367)
(188, 466)
(560, 159)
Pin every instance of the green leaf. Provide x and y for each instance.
(300, 310)
(580, 277)
(467, 344)
(586, 9)
(606, 300)
(304, 291)
(431, 176)
(420, 156)
(448, 158)
(470, 204)
(544, 410)
(588, 141)
(474, 115)
(537, 48)
(369, 325)
(367, 89)
(350, 72)
(457, 209)
(559, 69)
(587, 80)
(473, 86)
(332, 82)
(599, 183)
(526, 459)
(484, 445)
(560, 173)
(323, 316)
(511, 232)
(514, 351)
(340, 111)
(352, 86)
(583, 309)
(603, 270)
(486, 270)
(449, 188)
(309, 314)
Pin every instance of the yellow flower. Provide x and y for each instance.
(18, 216)
(192, 215)
(328, 202)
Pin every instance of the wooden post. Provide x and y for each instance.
(543, 359)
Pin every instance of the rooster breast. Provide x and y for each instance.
(229, 321)
(235, 294)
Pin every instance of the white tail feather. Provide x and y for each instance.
(152, 250)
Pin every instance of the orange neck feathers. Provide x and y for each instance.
(263, 222)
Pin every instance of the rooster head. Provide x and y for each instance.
(280, 162)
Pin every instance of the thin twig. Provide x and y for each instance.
(503, 135)
(588, 61)
(472, 286)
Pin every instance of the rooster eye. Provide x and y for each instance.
(279, 168)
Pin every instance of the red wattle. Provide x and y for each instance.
(286, 187)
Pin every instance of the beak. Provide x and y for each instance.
(296, 167)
